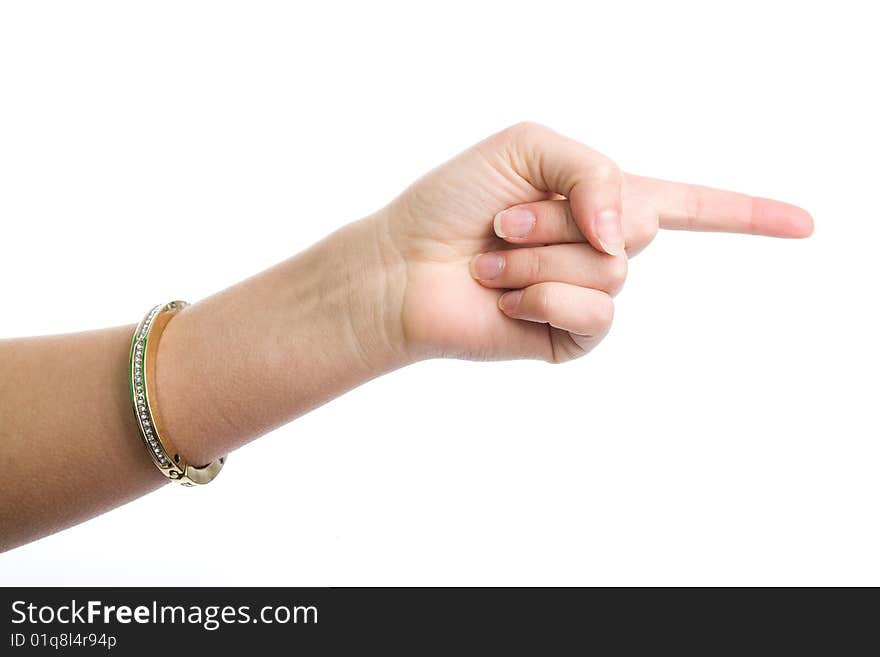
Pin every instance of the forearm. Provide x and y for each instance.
(229, 368)
(259, 354)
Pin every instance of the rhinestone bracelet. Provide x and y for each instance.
(144, 346)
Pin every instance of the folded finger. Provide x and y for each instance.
(576, 264)
(551, 222)
(579, 310)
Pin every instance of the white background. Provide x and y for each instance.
(726, 431)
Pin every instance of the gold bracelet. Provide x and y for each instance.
(142, 378)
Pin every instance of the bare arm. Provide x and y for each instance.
(500, 253)
(230, 368)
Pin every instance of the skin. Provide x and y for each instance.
(513, 249)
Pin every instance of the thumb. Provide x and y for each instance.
(591, 182)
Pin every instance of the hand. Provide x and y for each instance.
(553, 222)
(501, 253)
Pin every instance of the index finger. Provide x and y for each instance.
(693, 207)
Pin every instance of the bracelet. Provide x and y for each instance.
(142, 377)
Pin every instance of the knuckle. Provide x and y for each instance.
(607, 171)
(534, 265)
(647, 230)
(617, 268)
(564, 348)
(640, 226)
(558, 221)
(693, 206)
(520, 131)
(604, 311)
(544, 300)
(526, 127)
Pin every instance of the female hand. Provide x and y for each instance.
(550, 220)
(526, 210)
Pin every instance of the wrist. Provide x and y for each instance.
(361, 260)
(235, 365)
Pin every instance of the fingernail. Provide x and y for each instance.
(609, 231)
(487, 266)
(515, 222)
(509, 300)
